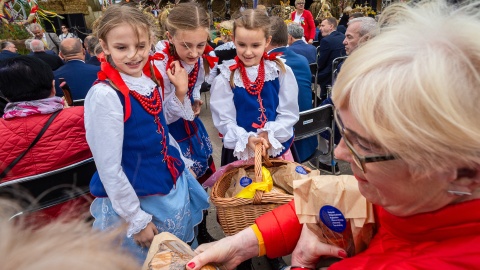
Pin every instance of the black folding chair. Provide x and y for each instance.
(335, 63)
(41, 191)
(313, 71)
(315, 121)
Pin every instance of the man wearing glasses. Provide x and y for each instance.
(305, 19)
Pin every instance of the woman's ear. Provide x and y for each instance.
(466, 181)
(53, 91)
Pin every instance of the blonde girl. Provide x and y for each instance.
(142, 178)
(254, 97)
(187, 32)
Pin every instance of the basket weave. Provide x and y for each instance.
(236, 214)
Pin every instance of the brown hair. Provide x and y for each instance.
(185, 17)
(116, 15)
(253, 19)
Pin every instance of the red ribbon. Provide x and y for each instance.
(212, 60)
(272, 56)
(150, 63)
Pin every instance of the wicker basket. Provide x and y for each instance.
(236, 214)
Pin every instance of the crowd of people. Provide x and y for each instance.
(405, 109)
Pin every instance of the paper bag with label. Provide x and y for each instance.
(333, 208)
(167, 252)
(286, 174)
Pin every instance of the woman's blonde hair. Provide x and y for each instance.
(62, 244)
(415, 88)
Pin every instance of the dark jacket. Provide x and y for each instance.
(331, 47)
(52, 60)
(79, 77)
(307, 50)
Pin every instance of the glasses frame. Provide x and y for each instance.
(359, 160)
(300, 4)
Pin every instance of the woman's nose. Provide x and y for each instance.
(342, 152)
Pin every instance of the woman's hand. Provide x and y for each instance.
(179, 78)
(197, 106)
(145, 237)
(229, 251)
(310, 41)
(309, 249)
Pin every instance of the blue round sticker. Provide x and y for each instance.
(300, 170)
(245, 181)
(333, 218)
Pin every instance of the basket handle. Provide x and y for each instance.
(257, 198)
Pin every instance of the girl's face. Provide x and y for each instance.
(189, 44)
(128, 54)
(250, 45)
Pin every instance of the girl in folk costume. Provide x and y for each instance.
(187, 27)
(254, 98)
(142, 178)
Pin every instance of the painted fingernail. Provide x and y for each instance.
(191, 265)
(342, 253)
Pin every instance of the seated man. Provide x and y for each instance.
(297, 45)
(38, 50)
(27, 83)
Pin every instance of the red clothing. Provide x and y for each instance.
(446, 239)
(308, 24)
(63, 143)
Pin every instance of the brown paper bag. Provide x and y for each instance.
(284, 176)
(239, 181)
(333, 208)
(167, 252)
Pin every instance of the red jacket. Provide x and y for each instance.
(308, 24)
(446, 239)
(62, 144)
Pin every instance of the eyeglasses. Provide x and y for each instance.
(359, 160)
(300, 3)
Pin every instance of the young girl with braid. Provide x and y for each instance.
(187, 32)
(142, 178)
(254, 97)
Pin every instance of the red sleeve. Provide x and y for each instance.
(291, 15)
(310, 34)
(280, 230)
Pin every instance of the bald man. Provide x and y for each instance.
(78, 75)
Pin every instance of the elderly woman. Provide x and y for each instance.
(407, 105)
(305, 19)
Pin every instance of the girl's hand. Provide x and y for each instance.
(309, 249)
(145, 237)
(197, 106)
(264, 135)
(252, 141)
(179, 78)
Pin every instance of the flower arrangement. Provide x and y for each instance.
(225, 32)
(13, 31)
(288, 21)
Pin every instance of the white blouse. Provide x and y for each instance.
(224, 114)
(173, 114)
(104, 131)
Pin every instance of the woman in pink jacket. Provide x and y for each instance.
(305, 19)
(407, 107)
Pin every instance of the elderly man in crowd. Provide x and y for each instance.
(296, 44)
(72, 52)
(50, 40)
(93, 49)
(38, 50)
(331, 47)
(9, 50)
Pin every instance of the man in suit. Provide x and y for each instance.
(78, 75)
(331, 47)
(299, 64)
(296, 44)
(38, 51)
(50, 40)
(9, 50)
(93, 49)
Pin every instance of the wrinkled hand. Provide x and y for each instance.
(178, 76)
(309, 249)
(197, 106)
(145, 237)
(252, 141)
(229, 251)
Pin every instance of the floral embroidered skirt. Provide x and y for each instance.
(178, 212)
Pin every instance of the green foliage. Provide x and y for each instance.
(13, 31)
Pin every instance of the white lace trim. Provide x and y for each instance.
(242, 151)
(142, 85)
(138, 223)
(271, 72)
(276, 147)
(185, 108)
(226, 46)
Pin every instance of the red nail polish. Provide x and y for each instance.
(191, 265)
(342, 253)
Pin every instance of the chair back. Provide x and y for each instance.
(51, 188)
(335, 64)
(314, 121)
(78, 102)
